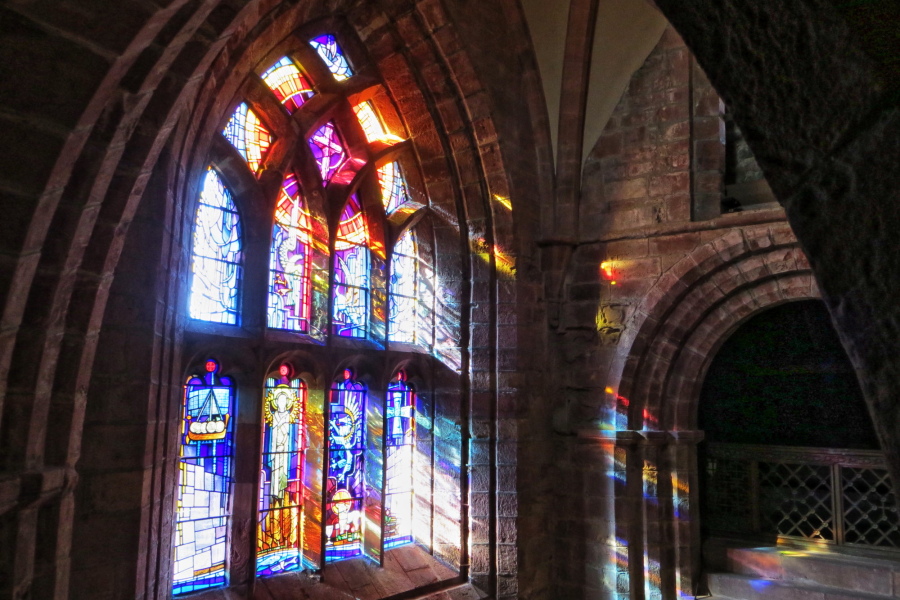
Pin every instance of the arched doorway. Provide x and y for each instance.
(790, 454)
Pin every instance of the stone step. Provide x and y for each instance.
(732, 586)
(853, 574)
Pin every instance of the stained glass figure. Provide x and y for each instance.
(351, 273)
(280, 524)
(328, 151)
(402, 319)
(372, 126)
(334, 58)
(394, 194)
(288, 84)
(217, 254)
(289, 265)
(204, 482)
(344, 485)
(400, 440)
(248, 135)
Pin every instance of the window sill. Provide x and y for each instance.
(406, 569)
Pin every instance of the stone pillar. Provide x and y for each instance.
(685, 540)
(656, 511)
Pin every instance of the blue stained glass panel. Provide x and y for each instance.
(248, 135)
(280, 522)
(351, 273)
(288, 84)
(205, 475)
(331, 53)
(402, 320)
(400, 438)
(289, 265)
(345, 486)
(217, 254)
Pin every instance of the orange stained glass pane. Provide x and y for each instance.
(372, 125)
(288, 84)
(394, 194)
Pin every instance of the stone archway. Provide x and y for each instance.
(662, 360)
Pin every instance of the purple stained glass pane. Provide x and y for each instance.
(394, 194)
(345, 485)
(328, 151)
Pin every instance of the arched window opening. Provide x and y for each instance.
(790, 451)
(351, 273)
(399, 462)
(281, 521)
(345, 484)
(248, 135)
(334, 463)
(217, 254)
(330, 52)
(288, 83)
(204, 482)
(289, 283)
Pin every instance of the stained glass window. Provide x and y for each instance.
(403, 290)
(334, 58)
(204, 482)
(248, 135)
(289, 85)
(400, 439)
(351, 272)
(217, 254)
(289, 265)
(280, 522)
(328, 150)
(394, 194)
(345, 485)
(372, 125)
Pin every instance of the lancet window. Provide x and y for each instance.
(332, 263)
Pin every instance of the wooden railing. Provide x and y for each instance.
(825, 495)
